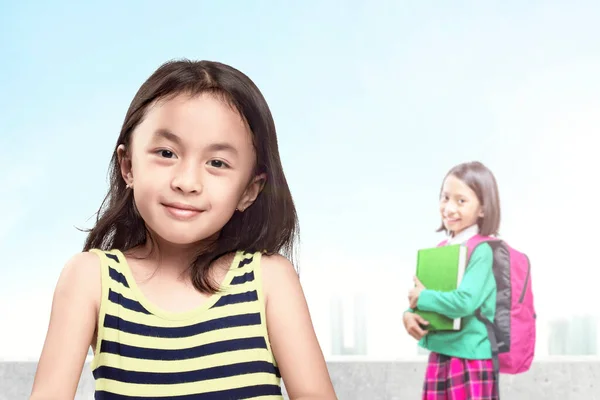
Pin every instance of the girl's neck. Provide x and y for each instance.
(169, 256)
(465, 234)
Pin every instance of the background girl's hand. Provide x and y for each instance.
(413, 294)
(412, 324)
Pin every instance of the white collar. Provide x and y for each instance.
(465, 235)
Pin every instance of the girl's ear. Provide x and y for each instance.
(125, 164)
(252, 191)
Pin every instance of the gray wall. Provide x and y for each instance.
(547, 380)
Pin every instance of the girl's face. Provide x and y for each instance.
(459, 206)
(190, 163)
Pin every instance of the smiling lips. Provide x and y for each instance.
(182, 211)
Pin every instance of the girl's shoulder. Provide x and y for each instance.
(483, 249)
(80, 278)
(276, 264)
(278, 275)
(82, 268)
(482, 254)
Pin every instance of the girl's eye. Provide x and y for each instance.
(166, 153)
(217, 164)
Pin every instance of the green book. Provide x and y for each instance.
(442, 269)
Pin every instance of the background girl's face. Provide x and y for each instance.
(459, 206)
(191, 165)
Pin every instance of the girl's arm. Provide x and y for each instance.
(477, 284)
(71, 329)
(291, 333)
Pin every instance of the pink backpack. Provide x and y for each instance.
(513, 332)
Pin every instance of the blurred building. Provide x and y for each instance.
(577, 335)
(349, 325)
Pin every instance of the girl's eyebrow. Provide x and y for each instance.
(459, 196)
(223, 146)
(166, 134)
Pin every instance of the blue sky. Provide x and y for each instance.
(373, 100)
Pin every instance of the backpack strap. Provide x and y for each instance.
(475, 241)
(496, 341)
(494, 345)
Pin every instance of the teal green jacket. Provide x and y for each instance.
(477, 290)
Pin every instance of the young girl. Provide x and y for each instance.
(460, 363)
(180, 291)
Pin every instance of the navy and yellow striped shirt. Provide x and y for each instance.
(219, 351)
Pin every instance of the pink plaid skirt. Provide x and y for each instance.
(450, 378)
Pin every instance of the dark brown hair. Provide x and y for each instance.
(481, 181)
(270, 225)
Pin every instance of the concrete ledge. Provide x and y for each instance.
(547, 380)
(555, 379)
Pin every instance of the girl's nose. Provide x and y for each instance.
(450, 208)
(187, 180)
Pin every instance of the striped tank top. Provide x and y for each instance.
(220, 350)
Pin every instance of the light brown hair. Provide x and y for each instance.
(481, 180)
(270, 225)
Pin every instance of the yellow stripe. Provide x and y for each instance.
(179, 389)
(235, 289)
(214, 360)
(211, 314)
(150, 342)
